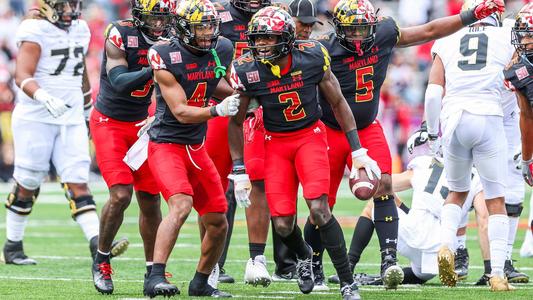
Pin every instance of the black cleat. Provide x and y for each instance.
(13, 253)
(391, 273)
(461, 263)
(207, 291)
(484, 280)
(320, 282)
(350, 292)
(159, 286)
(102, 277)
(513, 275)
(225, 278)
(285, 277)
(304, 269)
(117, 247)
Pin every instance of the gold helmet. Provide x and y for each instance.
(355, 17)
(153, 17)
(496, 17)
(60, 12)
(522, 32)
(193, 16)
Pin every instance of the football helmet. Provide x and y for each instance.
(60, 12)
(355, 23)
(522, 32)
(495, 19)
(153, 17)
(197, 24)
(271, 22)
(250, 6)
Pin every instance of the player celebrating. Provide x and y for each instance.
(125, 94)
(361, 48)
(284, 76)
(48, 121)
(187, 71)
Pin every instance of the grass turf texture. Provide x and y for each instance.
(63, 269)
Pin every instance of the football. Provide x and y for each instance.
(364, 188)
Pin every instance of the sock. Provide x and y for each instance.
(158, 270)
(296, 243)
(89, 223)
(449, 222)
(409, 277)
(15, 226)
(149, 265)
(312, 237)
(101, 257)
(199, 279)
(333, 241)
(360, 239)
(498, 230)
(486, 266)
(386, 221)
(461, 241)
(513, 227)
(256, 249)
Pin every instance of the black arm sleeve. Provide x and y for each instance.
(124, 81)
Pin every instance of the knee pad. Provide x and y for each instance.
(19, 205)
(78, 205)
(514, 210)
(385, 209)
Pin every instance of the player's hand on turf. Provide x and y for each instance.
(527, 170)
(488, 7)
(229, 106)
(361, 160)
(55, 106)
(242, 189)
(145, 125)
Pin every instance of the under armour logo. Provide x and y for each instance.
(383, 198)
(268, 137)
(390, 240)
(388, 219)
(103, 119)
(317, 130)
(316, 253)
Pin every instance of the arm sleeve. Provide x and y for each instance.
(123, 81)
(432, 107)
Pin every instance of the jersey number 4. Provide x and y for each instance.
(294, 111)
(468, 49)
(65, 52)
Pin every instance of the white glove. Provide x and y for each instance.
(361, 160)
(420, 137)
(242, 189)
(55, 106)
(527, 170)
(229, 106)
(145, 125)
(434, 144)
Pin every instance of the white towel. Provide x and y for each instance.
(138, 152)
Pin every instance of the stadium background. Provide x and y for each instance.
(55, 241)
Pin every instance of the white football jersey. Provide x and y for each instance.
(509, 101)
(474, 59)
(59, 70)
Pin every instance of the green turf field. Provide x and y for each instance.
(63, 270)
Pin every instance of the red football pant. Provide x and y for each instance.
(216, 144)
(340, 154)
(187, 169)
(112, 139)
(292, 158)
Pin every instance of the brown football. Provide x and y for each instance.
(364, 188)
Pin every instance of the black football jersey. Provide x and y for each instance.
(290, 102)
(131, 105)
(520, 75)
(234, 24)
(360, 77)
(195, 74)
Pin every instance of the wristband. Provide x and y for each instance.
(238, 166)
(213, 111)
(468, 17)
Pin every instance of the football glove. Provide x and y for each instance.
(229, 106)
(361, 160)
(242, 189)
(488, 7)
(527, 170)
(55, 106)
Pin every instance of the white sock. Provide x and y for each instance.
(104, 253)
(15, 226)
(149, 263)
(89, 223)
(513, 227)
(461, 241)
(498, 230)
(449, 222)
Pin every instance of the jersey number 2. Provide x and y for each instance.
(479, 50)
(294, 111)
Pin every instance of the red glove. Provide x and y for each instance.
(488, 7)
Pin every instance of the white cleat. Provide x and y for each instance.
(256, 272)
(213, 277)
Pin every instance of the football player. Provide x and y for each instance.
(187, 71)
(126, 87)
(235, 15)
(361, 48)
(469, 65)
(285, 75)
(48, 121)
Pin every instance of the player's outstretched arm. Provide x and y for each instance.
(442, 27)
(433, 96)
(117, 70)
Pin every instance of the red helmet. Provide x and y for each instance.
(522, 33)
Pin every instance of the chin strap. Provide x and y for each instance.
(273, 68)
(220, 70)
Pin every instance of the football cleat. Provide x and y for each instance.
(365, 279)
(225, 278)
(500, 284)
(350, 292)
(102, 277)
(159, 286)
(13, 253)
(334, 279)
(285, 277)
(318, 271)
(461, 263)
(213, 277)
(391, 273)
(304, 269)
(484, 280)
(446, 264)
(256, 272)
(117, 247)
(513, 275)
(207, 291)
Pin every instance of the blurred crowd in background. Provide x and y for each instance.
(402, 94)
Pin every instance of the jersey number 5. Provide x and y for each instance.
(294, 111)
(364, 89)
(479, 50)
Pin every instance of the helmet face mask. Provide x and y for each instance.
(250, 6)
(152, 17)
(60, 12)
(198, 24)
(266, 46)
(522, 33)
(355, 25)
